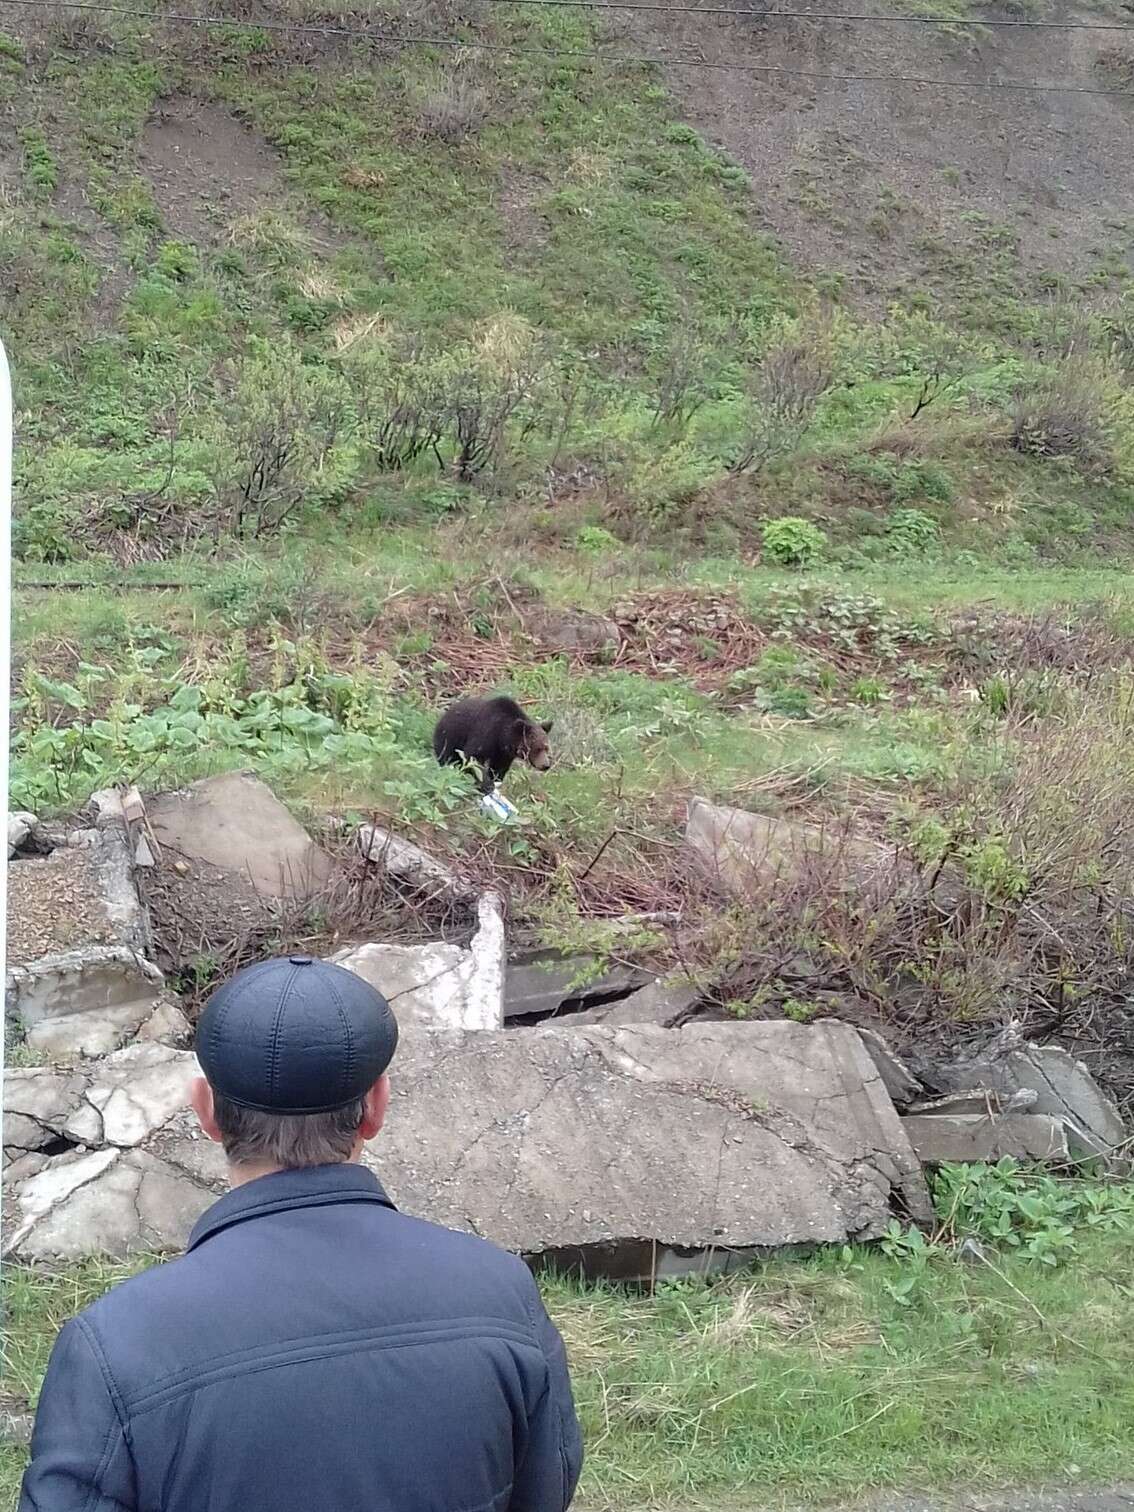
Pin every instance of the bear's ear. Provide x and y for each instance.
(546, 726)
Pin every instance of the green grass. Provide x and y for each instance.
(801, 1380)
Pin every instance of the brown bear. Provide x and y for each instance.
(493, 733)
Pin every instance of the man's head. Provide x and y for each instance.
(294, 1053)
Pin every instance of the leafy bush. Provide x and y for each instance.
(911, 532)
(792, 542)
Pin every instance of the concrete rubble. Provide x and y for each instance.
(1043, 1079)
(440, 986)
(83, 1002)
(235, 823)
(542, 982)
(408, 863)
(742, 850)
(723, 1137)
(666, 1004)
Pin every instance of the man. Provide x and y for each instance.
(314, 1350)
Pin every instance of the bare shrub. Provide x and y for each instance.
(1013, 897)
(450, 109)
(1065, 417)
(793, 376)
(682, 386)
(272, 451)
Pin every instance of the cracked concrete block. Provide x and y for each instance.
(235, 823)
(440, 986)
(541, 981)
(741, 849)
(661, 1003)
(899, 1081)
(166, 1025)
(410, 864)
(83, 1002)
(119, 1203)
(710, 1137)
(132, 1094)
(964, 1137)
(733, 1136)
(38, 1100)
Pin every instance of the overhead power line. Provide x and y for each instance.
(753, 13)
(617, 60)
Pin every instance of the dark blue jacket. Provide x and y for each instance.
(314, 1351)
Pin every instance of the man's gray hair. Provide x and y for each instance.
(310, 1139)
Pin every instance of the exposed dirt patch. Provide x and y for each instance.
(206, 168)
(904, 186)
(55, 905)
(525, 228)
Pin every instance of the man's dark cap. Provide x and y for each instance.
(295, 1035)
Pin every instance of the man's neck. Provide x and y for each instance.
(241, 1175)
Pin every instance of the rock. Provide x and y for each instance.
(1063, 1088)
(962, 1137)
(408, 863)
(83, 1002)
(540, 982)
(38, 1100)
(899, 1081)
(440, 986)
(120, 1100)
(112, 859)
(167, 1025)
(112, 1202)
(725, 1135)
(615, 1144)
(657, 1003)
(132, 1094)
(743, 850)
(574, 630)
(21, 827)
(235, 823)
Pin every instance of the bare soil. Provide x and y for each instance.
(54, 905)
(888, 183)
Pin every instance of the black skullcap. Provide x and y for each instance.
(295, 1035)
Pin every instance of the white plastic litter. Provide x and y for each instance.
(498, 806)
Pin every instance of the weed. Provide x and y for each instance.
(791, 542)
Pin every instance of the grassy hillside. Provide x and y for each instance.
(343, 365)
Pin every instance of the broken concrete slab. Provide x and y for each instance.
(440, 986)
(723, 1137)
(110, 1202)
(938, 1138)
(83, 1002)
(409, 864)
(726, 1135)
(665, 1004)
(236, 823)
(1062, 1087)
(542, 982)
(742, 850)
(167, 1025)
(119, 1100)
(981, 1101)
(899, 1080)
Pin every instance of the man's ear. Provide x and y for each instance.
(546, 727)
(201, 1101)
(375, 1106)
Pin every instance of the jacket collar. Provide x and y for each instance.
(315, 1186)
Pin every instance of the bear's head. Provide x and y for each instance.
(534, 747)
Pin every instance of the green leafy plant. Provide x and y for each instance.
(792, 542)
